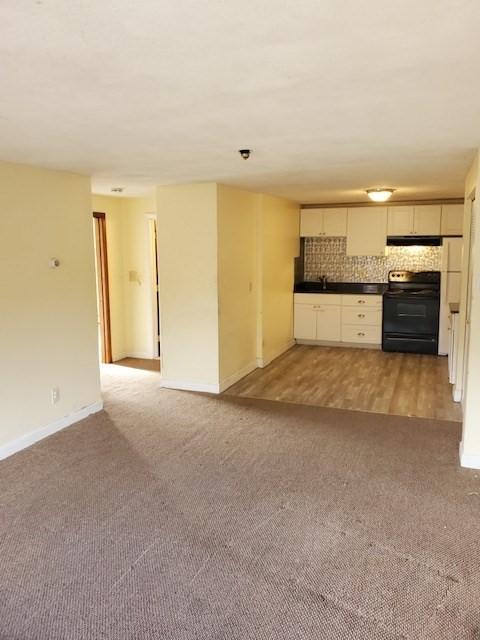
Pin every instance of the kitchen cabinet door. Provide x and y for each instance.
(305, 322)
(334, 222)
(367, 231)
(329, 323)
(311, 223)
(427, 220)
(400, 221)
(452, 219)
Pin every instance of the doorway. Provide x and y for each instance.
(103, 297)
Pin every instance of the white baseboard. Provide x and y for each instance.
(238, 375)
(185, 385)
(468, 460)
(263, 362)
(34, 436)
(144, 355)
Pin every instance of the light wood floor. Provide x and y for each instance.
(140, 363)
(358, 379)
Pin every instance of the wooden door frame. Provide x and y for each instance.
(155, 310)
(105, 306)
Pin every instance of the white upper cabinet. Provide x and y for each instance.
(335, 222)
(311, 223)
(400, 221)
(452, 219)
(323, 222)
(426, 220)
(423, 220)
(367, 231)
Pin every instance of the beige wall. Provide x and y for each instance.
(278, 245)
(129, 251)
(187, 244)
(226, 282)
(236, 228)
(48, 334)
(470, 448)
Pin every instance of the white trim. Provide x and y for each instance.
(144, 355)
(238, 375)
(468, 460)
(457, 394)
(186, 385)
(118, 356)
(34, 436)
(263, 362)
(183, 385)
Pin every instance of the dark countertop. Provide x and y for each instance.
(454, 307)
(370, 288)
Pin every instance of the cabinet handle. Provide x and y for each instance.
(361, 301)
(360, 315)
(360, 333)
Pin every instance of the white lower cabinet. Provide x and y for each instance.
(338, 318)
(305, 322)
(317, 321)
(328, 323)
(356, 333)
(353, 315)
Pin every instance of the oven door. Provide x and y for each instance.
(410, 315)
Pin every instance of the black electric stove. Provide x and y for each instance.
(411, 306)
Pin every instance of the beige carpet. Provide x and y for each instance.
(180, 516)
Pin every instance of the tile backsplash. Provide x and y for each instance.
(328, 256)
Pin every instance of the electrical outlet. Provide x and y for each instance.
(55, 395)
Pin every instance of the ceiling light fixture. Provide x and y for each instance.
(245, 153)
(379, 195)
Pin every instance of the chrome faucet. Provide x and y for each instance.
(323, 280)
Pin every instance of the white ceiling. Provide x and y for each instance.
(333, 96)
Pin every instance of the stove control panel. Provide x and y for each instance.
(400, 276)
(423, 277)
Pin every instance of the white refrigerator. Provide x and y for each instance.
(452, 250)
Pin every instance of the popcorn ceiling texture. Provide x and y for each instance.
(328, 256)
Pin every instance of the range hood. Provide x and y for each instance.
(409, 241)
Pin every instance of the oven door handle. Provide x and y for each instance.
(410, 339)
